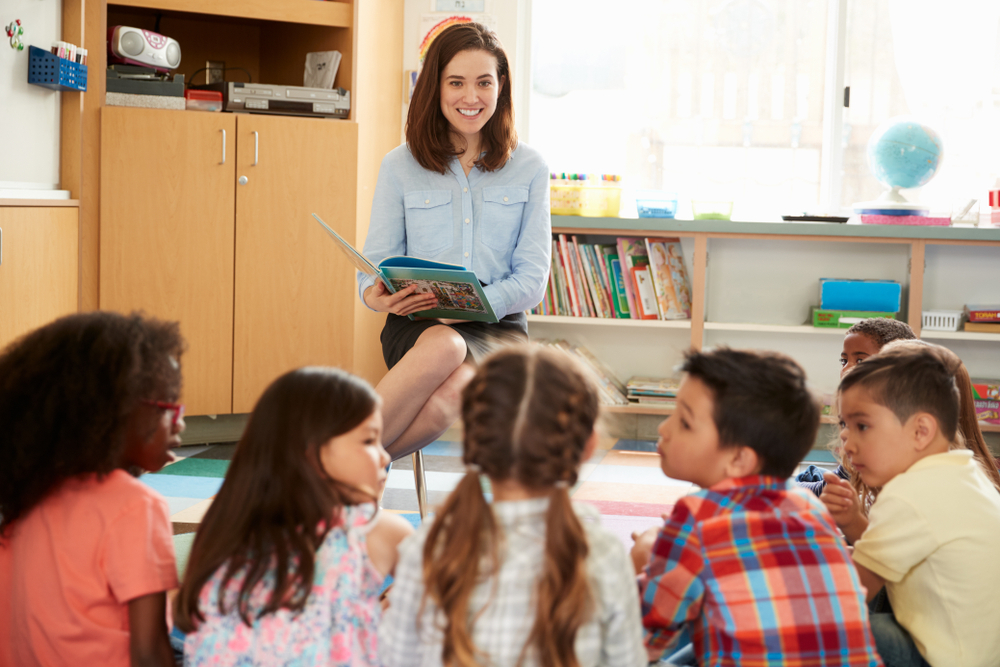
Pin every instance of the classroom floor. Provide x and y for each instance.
(623, 481)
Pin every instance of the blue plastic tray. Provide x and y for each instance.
(50, 71)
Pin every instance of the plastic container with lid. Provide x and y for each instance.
(203, 100)
(586, 195)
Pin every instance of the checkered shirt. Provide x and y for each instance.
(759, 574)
(612, 637)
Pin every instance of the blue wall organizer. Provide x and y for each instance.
(51, 71)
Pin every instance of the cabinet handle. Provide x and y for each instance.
(256, 148)
(223, 147)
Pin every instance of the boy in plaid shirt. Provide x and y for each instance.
(753, 567)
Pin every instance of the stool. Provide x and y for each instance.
(420, 482)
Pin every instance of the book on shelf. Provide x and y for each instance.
(983, 327)
(670, 283)
(568, 275)
(642, 385)
(628, 249)
(645, 294)
(611, 390)
(979, 313)
(618, 282)
(459, 292)
(660, 401)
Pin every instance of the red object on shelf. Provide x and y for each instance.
(921, 220)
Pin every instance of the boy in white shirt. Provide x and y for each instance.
(934, 530)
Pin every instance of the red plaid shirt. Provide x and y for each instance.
(758, 573)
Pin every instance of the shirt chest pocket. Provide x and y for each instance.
(429, 222)
(502, 210)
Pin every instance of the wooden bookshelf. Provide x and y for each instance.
(310, 12)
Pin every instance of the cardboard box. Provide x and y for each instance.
(882, 296)
(844, 319)
(988, 411)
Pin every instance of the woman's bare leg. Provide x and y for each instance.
(437, 354)
(436, 415)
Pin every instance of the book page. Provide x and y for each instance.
(450, 295)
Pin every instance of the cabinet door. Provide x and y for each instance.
(167, 226)
(294, 288)
(39, 256)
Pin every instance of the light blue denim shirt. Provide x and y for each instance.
(494, 223)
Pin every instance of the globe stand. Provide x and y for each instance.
(891, 202)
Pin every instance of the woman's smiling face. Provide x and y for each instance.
(469, 92)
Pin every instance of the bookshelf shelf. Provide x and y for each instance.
(329, 14)
(774, 328)
(961, 335)
(603, 321)
(656, 410)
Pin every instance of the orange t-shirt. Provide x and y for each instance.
(72, 564)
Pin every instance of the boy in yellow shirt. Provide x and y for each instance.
(934, 529)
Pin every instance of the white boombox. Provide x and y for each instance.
(135, 46)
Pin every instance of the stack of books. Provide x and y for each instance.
(611, 390)
(653, 391)
(983, 319)
(634, 278)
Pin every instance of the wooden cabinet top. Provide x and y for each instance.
(331, 13)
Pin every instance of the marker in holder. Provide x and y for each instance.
(51, 71)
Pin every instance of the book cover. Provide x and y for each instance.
(557, 262)
(619, 285)
(645, 295)
(652, 386)
(458, 290)
(628, 248)
(586, 268)
(583, 284)
(989, 313)
(609, 388)
(602, 273)
(597, 285)
(568, 274)
(665, 277)
(983, 327)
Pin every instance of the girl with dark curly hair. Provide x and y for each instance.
(86, 553)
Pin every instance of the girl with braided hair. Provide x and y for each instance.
(529, 578)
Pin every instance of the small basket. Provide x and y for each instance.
(941, 320)
(51, 71)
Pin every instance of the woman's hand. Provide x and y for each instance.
(844, 505)
(404, 302)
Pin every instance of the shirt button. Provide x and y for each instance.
(505, 199)
(466, 221)
(465, 189)
(466, 254)
(427, 201)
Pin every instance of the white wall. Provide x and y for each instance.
(29, 115)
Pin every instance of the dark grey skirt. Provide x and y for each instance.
(400, 333)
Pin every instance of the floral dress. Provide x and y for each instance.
(337, 626)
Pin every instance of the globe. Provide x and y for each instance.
(904, 153)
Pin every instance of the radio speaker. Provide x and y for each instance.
(135, 46)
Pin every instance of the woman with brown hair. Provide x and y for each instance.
(461, 190)
(529, 578)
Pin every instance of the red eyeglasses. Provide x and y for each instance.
(176, 408)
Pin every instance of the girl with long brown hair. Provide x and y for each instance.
(529, 578)
(290, 558)
(461, 190)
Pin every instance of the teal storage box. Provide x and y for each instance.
(881, 296)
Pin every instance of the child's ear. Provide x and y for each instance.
(590, 446)
(924, 429)
(744, 462)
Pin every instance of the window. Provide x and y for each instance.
(726, 99)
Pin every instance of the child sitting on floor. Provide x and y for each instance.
(289, 561)
(934, 530)
(530, 579)
(751, 565)
(848, 498)
(86, 554)
(861, 341)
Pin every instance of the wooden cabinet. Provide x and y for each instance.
(205, 219)
(294, 289)
(38, 267)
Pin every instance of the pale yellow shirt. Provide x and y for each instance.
(934, 536)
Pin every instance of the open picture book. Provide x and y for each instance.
(459, 293)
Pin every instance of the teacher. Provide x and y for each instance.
(461, 190)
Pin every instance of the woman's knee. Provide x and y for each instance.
(443, 347)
